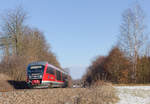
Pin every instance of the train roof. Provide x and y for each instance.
(38, 63)
(44, 63)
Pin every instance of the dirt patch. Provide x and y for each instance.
(4, 77)
(7, 84)
(4, 85)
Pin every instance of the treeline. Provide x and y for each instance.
(117, 68)
(21, 44)
(129, 60)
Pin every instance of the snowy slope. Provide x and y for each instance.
(133, 94)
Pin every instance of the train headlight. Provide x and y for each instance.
(30, 76)
(40, 76)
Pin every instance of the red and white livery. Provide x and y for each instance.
(45, 74)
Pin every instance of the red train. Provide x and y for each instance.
(41, 74)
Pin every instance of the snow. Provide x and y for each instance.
(133, 94)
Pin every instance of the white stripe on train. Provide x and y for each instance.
(51, 82)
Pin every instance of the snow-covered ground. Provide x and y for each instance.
(133, 94)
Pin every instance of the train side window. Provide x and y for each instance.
(50, 70)
(63, 77)
(58, 75)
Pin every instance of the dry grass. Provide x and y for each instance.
(103, 95)
(93, 95)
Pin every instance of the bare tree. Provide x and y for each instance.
(12, 29)
(132, 35)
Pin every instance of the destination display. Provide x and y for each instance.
(35, 67)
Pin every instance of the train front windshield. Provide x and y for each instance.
(36, 69)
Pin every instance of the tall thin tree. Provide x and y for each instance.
(132, 35)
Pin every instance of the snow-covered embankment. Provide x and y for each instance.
(133, 94)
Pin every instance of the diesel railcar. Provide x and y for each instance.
(43, 74)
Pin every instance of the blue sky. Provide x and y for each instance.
(77, 30)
